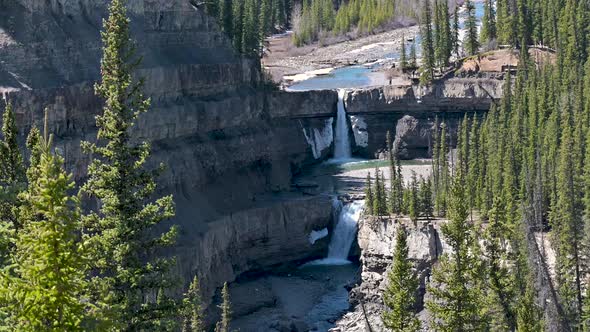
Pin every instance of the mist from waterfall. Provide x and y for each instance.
(342, 149)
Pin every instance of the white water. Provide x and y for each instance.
(342, 150)
(344, 233)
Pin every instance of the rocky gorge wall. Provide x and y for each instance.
(230, 148)
(409, 113)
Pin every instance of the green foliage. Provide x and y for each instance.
(400, 295)
(223, 324)
(192, 311)
(12, 178)
(414, 199)
(120, 231)
(456, 296)
(44, 286)
(488, 23)
(471, 41)
(428, 56)
(369, 196)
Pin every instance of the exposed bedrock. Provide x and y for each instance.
(376, 239)
(409, 113)
(230, 148)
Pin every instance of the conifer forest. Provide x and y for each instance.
(295, 165)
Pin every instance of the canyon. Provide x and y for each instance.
(233, 145)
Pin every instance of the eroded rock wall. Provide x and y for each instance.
(410, 113)
(230, 148)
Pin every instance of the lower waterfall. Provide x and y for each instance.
(344, 233)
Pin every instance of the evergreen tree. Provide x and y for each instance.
(488, 23)
(400, 295)
(12, 175)
(427, 70)
(121, 229)
(456, 297)
(393, 201)
(403, 61)
(45, 287)
(223, 324)
(250, 29)
(237, 23)
(377, 199)
(471, 41)
(413, 57)
(426, 205)
(369, 197)
(192, 315)
(455, 32)
(414, 203)
(225, 16)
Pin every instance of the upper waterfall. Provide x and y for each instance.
(342, 149)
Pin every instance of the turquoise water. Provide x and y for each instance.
(346, 77)
(357, 76)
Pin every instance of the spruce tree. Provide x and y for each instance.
(456, 297)
(377, 199)
(225, 17)
(192, 311)
(414, 202)
(12, 173)
(413, 57)
(45, 287)
(471, 40)
(400, 295)
(393, 202)
(488, 23)
(403, 61)
(121, 229)
(369, 197)
(427, 70)
(455, 33)
(426, 206)
(223, 324)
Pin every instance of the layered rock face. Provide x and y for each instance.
(230, 149)
(410, 113)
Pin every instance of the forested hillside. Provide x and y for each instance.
(520, 171)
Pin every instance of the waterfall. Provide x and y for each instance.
(343, 234)
(342, 149)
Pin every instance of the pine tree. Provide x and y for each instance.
(377, 199)
(12, 174)
(45, 287)
(488, 24)
(393, 202)
(369, 197)
(250, 29)
(192, 315)
(121, 229)
(455, 32)
(223, 324)
(400, 295)
(225, 17)
(413, 57)
(403, 61)
(237, 23)
(427, 71)
(471, 41)
(414, 203)
(426, 205)
(456, 298)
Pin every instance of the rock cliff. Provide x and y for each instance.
(376, 239)
(230, 148)
(409, 112)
